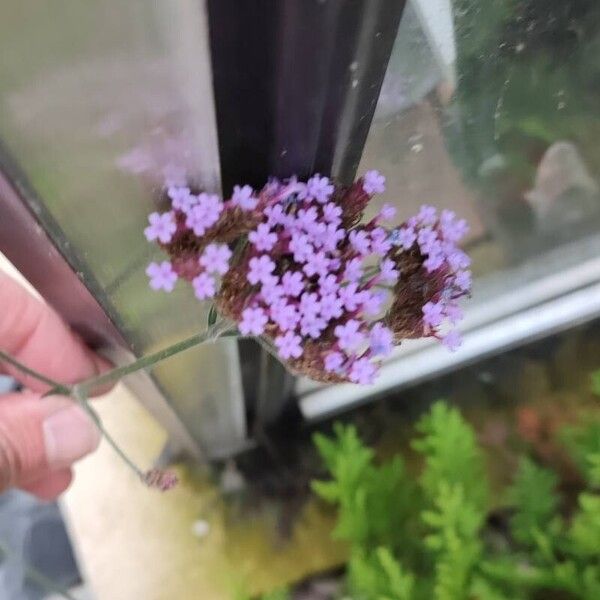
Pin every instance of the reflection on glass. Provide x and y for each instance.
(100, 104)
(493, 108)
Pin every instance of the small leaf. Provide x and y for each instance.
(212, 315)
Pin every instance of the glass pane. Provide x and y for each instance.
(493, 109)
(100, 104)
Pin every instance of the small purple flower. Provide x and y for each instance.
(381, 340)
(319, 188)
(306, 218)
(428, 241)
(329, 284)
(215, 258)
(204, 214)
(161, 228)
(331, 307)
(309, 304)
(453, 229)
(404, 237)
(204, 286)
(284, 315)
(433, 313)
(271, 291)
(372, 301)
(317, 264)
(292, 283)
(380, 244)
(332, 213)
(253, 321)
(181, 198)
(277, 216)
(387, 212)
(331, 237)
(463, 281)
(162, 276)
(453, 312)
(301, 247)
(374, 182)
(457, 259)
(334, 361)
(288, 345)
(263, 239)
(349, 335)
(312, 326)
(434, 261)
(349, 296)
(353, 271)
(452, 340)
(360, 241)
(363, 371)
(242, 197)
(260, 269)
(427, 215)
(388, 271)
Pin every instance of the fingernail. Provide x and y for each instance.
(69, 434)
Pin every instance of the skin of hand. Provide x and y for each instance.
(40, 438)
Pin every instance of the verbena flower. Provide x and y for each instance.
(295, 264)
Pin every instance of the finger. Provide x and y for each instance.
(36, 336)
(51, 485)
(39, 435)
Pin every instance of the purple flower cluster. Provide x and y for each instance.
(326, 291)
(436, 237)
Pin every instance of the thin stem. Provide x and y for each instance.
(211, 333)
(81, 397)
(59, 388)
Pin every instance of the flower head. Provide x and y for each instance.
(306, 273)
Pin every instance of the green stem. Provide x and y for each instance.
(59, 388)
(81, 397)
(211, 333)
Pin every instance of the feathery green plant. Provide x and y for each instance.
(431, 539)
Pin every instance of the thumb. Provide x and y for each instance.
(37, 435)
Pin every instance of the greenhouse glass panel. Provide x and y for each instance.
(492, 109)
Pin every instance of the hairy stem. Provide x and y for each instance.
(210, 334)
(80, 395)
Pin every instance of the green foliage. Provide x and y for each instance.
(430, 541)
(451, 455)
(374, 502)
(378, 575)
(584, 532)
(533, 495)
(583, 443)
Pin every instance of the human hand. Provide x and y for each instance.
(40, 438)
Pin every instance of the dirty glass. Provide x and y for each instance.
(492, 108)
(101, 103)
